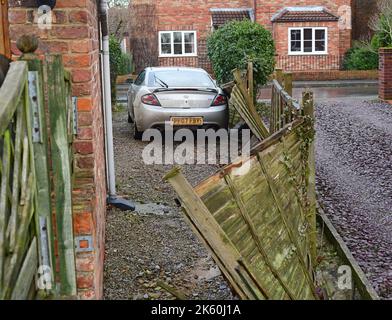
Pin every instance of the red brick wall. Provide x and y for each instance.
(190, 15)
(335, 75)
(385, 75)
(339, 39)
(74, 34)
(305, 62)
(195, 15)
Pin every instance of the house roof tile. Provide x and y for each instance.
(304, 14)
(220, 17)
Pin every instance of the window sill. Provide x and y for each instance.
(308, 54)
(178, 56)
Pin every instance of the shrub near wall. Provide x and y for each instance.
(120, 64)
(235, 44)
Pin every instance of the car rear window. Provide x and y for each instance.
(180, 78)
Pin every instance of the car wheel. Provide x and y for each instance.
(129, 119)
(138, 135)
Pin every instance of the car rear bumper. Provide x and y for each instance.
(155, 117)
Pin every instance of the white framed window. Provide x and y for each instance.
(308, 41)
(177, 43)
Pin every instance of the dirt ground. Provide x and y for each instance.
(154, 244)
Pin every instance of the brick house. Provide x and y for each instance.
(309, 34)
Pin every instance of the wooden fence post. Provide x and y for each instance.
(308, 109)
(5, 46)
(288, 83)
(251, 81)
(61, 165)
(27, 45)
(279, 76)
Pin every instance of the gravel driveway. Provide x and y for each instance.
(354, 180)
(154, 244)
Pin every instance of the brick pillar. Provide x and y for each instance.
(385, 74)
(74, 34)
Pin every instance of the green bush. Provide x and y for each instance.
(361, 58)
(383, 34)
(120, 64)
(235, 44)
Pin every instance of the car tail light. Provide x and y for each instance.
(151, 100)
(219, 100)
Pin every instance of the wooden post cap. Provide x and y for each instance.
(27, 44)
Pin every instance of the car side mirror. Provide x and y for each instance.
(129, 81)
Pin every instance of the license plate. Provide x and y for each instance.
(186, 121)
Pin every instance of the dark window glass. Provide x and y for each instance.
(166, 43)
(308, 34)
(181, 78)
(189, 38)
(140, 79)
(166, 49)
(177, 42)
(320, 41)
(295, 40)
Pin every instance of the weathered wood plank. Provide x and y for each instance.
(308, 109)
(5, 43)
(210, 230)
(255, 236)
(61, 173)
(27, 273)
(11, 92)
(19, 134)
(41, 161)
(4, 203)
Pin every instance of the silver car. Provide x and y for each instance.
(180, 97)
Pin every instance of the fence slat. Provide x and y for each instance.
(5, 175)
(11, 92)
(61, 173)
(308, 109)
(26, 274)
(44, 207)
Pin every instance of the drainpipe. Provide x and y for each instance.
(112, 197)
(255, 10)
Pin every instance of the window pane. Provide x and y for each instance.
(181, 78)
(166, 49)
(165, 37)
(320, 45)
(295, 46)
(189, 47)
(295, 35)
(189, 37)
(320, 34)
(177, 37)
(178, 48)
(308, 46)
(308, 34)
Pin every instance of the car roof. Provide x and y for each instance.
(152, 69)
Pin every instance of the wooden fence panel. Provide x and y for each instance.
(258, 208)
(28, 257)
(18, 253)
(5, 46)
